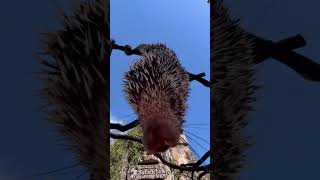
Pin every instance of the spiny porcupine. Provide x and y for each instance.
(75, 83)
(157, 88)
(232, 75)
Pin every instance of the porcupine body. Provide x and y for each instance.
(232, 75)
(74, 74)
(157, 88)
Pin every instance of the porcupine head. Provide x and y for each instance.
(157, 88)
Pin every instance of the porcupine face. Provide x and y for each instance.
(157, 87)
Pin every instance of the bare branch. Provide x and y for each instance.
(126, 137)
(198, 77)
(282, 51)
(263, 51)
(181, 168)
(126, 127)
(126, 49)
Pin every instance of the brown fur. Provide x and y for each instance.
(157, 88)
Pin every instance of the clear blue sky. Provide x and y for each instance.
(182, 26)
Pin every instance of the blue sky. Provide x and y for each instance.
(184, 27)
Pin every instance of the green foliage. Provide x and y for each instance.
(135, 150)
(124, 153)
(117, 159)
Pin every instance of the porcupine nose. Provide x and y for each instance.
(159, 139)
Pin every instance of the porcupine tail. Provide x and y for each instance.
(232, 75)
(74, 72)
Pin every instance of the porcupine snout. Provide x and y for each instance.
(159, 136)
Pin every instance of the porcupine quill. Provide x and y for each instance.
(232, 75)
(74, 73)
(157, 87)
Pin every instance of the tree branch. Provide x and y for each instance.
(181, 168)
(126, 49)
(293, 42)
(198, 77)
(199, 162)
(282, 51)
(126, 137)
(126, 127)
(263, 49)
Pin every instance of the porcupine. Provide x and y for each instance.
(232, 75)
(74, 73)
(157, 88)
